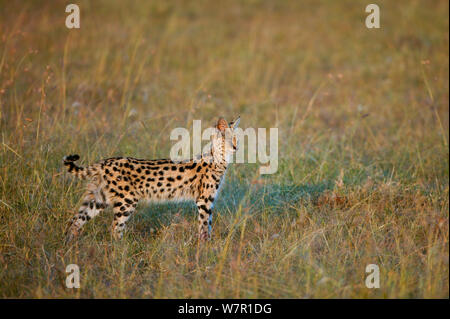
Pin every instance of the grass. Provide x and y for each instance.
(363, 118)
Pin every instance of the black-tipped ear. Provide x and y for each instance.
(235, 123)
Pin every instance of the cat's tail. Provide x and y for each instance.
(74, 169)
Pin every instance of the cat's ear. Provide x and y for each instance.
(222, 125)
(235, 123)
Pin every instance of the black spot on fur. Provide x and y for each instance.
(98, 205)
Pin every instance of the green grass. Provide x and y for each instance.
(363, 118)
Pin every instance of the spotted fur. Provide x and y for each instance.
(121, 182)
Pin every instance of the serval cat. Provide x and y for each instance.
(121, 182)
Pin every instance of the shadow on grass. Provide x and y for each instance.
(273, 198)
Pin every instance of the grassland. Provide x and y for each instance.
(363, 118)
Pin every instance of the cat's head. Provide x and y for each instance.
(224, 141)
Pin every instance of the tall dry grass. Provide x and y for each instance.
(363, 118)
